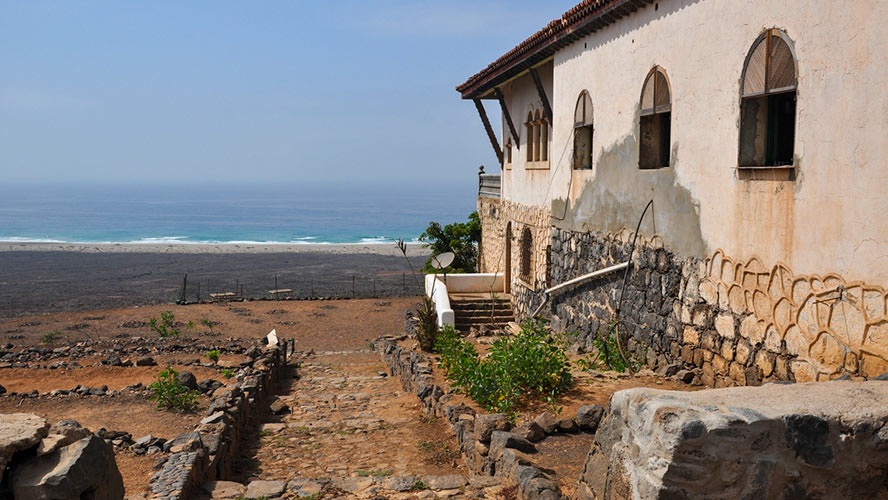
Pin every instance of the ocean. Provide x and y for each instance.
(227, 213)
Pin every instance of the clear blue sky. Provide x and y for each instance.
(272, 91)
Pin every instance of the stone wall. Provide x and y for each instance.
(208, 452)
(487, 446)
(796, 441)
(496, 215)
(738, 323)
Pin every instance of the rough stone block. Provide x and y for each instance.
(743, 442)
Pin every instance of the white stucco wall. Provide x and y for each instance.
(831, 218)
(526, 186)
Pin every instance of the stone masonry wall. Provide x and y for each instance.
(739, 323)
(496, 216)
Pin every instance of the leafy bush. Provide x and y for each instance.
(166, 327)
(209, 323)
(213, 356)
(170, 394)
(610, 356)
(531, 364)
(228, 373)
(461, 238)
(427, 324)
(51, 337)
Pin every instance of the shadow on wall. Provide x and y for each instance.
(617, 194)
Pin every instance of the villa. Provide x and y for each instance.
(748, 140)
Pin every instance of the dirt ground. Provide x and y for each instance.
(316, 325)
(324, 325)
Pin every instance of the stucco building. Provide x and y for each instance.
(759, 130)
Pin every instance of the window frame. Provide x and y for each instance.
(655, 111)
(766, 92)
(582, 99)
(526, 244)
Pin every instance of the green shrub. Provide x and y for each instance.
(170, 394)
(213, 356)
(461, 238)
(51, 337)
(209, 323)
(166, 327)
(608, 355)
(228, 373)
(530, 364)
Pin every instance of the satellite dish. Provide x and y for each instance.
(443, 260)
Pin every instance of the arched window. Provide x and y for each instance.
(582, 154)
(536, 136)
(768, 102)
(656, 120)
(530, 140)
(526, 254)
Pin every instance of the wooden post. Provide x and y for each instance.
(374, 285)
(542, 93)
(198, 292)
(502, 101)
(490, 135)
(353, 286)
(312, 293)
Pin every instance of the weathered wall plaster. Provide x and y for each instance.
(825, 216)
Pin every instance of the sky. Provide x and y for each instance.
(285, 92)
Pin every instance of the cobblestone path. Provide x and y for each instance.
(353, 432)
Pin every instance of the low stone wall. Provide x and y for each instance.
(737, 323)
(484, 439)
(207, 453)
(790, 441)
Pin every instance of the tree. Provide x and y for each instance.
(461, 238)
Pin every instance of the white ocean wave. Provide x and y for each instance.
(19, 239)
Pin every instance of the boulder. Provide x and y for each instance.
(223, 489)
(188, 380)
(812, 440)
(83, 469)
(19, 431)
(588, 417)
(278, 407)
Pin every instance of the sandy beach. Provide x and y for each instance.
(38, 278)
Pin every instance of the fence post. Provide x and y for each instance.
(312, 294)
(403, 284)
(198, 291)
(374, 285)
(353, 286)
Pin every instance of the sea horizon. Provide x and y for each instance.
(226, 214)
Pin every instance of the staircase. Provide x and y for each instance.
(480, 310)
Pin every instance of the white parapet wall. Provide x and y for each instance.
(439, 288)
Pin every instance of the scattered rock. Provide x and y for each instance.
(62, 434)
(500, 440)
(278, 407)
(2, 390)
(146, 361)
(208, 385)
(188, 380)
(399, 483)
(567, 426)
(352, 484)
(83, 469)
(217, 417)
(224, 489)
(267, 489)
(451, 482)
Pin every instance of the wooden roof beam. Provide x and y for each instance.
(502, 100)
(490, 135)
(542, 92)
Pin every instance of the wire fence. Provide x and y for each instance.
(195, 289)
